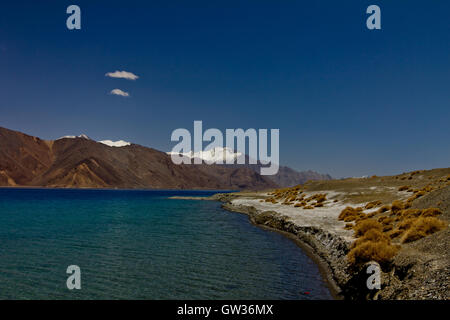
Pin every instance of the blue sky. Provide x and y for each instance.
(348, 101)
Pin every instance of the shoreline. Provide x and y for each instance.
(324, 268)
(309, 244)
(303, 237)
(418, 271)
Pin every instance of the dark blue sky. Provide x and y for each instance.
(348, 101)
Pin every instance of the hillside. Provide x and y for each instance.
(400, 222)
(78, 162)
(287, 177)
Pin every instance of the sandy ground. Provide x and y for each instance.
(325, 217)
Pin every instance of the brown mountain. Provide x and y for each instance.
(287, 177)
(82, 163)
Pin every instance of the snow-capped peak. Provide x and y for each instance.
(119, 143)
(83, 136)
(213, 155)
(110, 143)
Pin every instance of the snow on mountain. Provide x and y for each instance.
(83, 136)
(213, 155)
(119, 143)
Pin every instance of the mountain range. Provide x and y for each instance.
(79, 162)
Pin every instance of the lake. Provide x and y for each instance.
(138, 244)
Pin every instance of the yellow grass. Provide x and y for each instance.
(380, 252)
(422, 227)
(365, 225)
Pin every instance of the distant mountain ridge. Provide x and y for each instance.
(79, 162)
(286, 177)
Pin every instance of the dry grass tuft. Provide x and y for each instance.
(372, 204)
(372, 235)
(410, 213)
(397, 206)
(318, 204)
(384, 209)
(395, 233)
(350, 214)
(431, 212)
(365, 225)
(381, 252)
(348, 226)
(405, 224)
(422, 227)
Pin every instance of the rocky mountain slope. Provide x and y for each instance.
(287, 177)
(78, 162)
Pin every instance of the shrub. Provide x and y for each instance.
(350, 218)
(372, 235)
(410, 213)
(361, 217)
(419, 194)
(387, 220)
(372, 204)
(321, 197)
(372, 214)
(350, 214)
(431, 212)
(397, 206)
(423, 227)
(427, 188)
(406, 223)
(395, 233)
(380, 252)
(365, 225)
(384, 209)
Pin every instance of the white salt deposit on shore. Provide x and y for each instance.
(325, 217)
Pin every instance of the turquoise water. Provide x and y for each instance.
(141, 245)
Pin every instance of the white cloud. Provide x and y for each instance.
(119, 92)
(122, 75)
